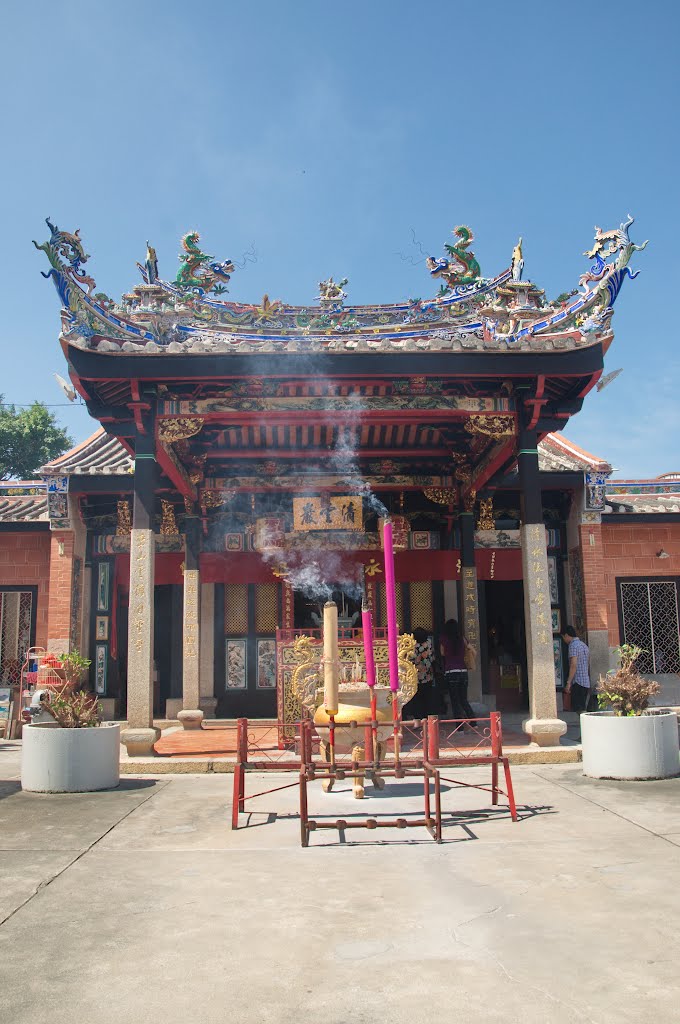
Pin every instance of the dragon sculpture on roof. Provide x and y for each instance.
(465, 269)
(198, 272)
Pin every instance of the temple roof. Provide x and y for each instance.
(186, 314)
(557, 454)
(99, 453)
(635, 497)
(23, 508)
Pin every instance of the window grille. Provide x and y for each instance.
(649, 613)
(235, 608)
(16, 611)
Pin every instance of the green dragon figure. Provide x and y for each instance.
(465, 270)
(198, 272)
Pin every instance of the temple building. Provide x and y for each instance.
(247, 456)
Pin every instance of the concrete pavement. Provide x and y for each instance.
(141, 905)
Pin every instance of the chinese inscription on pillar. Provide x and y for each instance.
(139, 585)
(470, 616)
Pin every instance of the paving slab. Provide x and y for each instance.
(147, 906)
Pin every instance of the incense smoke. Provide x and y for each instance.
(316, 572)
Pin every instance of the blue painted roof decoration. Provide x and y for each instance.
(505, 313)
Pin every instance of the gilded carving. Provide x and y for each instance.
(124, 521)
(493, 427)
(180, 428)
(168, 521)
(486, 519)
(469, 500)
(441, 495)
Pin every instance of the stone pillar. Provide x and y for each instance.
(139, 736)
(543, 725)
(470, 604)
(206, 686)
(191, 716)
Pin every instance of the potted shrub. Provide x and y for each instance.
(74, 753)
(627, 739)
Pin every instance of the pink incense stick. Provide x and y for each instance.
(367, 624)
(391, 600)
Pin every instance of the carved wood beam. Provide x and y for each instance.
(174, 470)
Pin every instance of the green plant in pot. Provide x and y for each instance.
(71, 706)
(626, 739)
(624, 691)
(74, 667)
(72, 709)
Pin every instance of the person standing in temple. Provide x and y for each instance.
(452, 649)
(578, 680)
(423, 657)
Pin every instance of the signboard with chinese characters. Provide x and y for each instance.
(328, 512)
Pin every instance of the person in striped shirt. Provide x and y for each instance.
(578, 680)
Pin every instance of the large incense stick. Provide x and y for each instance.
(391, 601)
(367, 624)
(331, 665)
(369, 654)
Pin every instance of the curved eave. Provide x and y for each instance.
(91, 364)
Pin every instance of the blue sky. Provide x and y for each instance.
(325, 136)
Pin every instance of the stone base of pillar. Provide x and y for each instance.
(190, 719)
(173, 706)
(545, 732)
(110, 708)
(139, 742)
(208, 706)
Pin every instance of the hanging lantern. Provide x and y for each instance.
(269, 535)
(400, 531)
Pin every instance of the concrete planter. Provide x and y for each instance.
(56, 760)
(642, 747)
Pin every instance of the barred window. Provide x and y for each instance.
(649, 619)
(16, 619)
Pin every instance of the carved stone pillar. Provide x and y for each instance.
(469, 597)
(543, 725)
(139, 736)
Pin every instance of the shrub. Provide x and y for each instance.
(625, 691)
(72, 709)
(73, 665)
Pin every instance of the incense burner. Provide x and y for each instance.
(353, 707)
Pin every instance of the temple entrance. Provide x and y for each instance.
(504, 664)
(308, 611)
(167, 644)
(247, 616)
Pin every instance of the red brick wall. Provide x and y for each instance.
(25, 561)
(594, 587)
(630, 550)
(61, 569)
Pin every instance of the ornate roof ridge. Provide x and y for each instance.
(469, 312)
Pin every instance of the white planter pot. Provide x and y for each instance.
(56, 760)
(642, 747)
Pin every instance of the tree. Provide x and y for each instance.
(28, 439)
